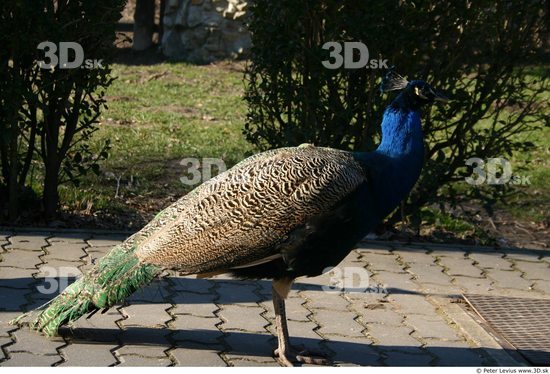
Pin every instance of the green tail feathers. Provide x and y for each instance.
(114, 278)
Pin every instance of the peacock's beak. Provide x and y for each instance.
(441, 97)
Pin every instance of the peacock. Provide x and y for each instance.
(280, 214)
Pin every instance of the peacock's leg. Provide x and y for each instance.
(285, 350)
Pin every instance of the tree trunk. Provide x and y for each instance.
(50, 196)
(161, 20)
(13, 187)
(144, 24)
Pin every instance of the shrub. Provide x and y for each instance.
(51, 113)
(477, 52)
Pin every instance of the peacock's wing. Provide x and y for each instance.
(241, 216)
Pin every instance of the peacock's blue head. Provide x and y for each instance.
(414, 95)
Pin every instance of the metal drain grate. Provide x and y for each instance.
(523, 323)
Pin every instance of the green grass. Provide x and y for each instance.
(157, 115)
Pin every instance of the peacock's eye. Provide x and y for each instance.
(419, 93)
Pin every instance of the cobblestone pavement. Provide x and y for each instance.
(408, 315)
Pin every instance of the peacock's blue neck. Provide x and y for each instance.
(395, 166)
(402, 136)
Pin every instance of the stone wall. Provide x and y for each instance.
(203, 31)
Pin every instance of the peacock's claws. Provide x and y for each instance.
(303, 356)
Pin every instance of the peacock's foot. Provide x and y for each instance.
(297, 354)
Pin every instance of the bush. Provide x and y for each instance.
(477, 52)
(51, 113)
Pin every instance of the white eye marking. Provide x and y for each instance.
(419, 94)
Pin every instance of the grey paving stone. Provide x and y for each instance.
(302, 333)
(447, 344)
(251, 363)
(396, 358)
(460, 266)
(340, 323)
(324, 300)
(201, 305)
(20, 259)
(197, 329)
(440, 289)
(17, 277)
(384, 262)
(508, 279)
(12, 299)
(57, 268)
(95, 253)
(75, 238)
(382, 315)
(105, 241)
(431, 326)
(149, 315)
(429, 273)
(520, 254)
(264, 289)
(100, 327)
(66, 251)
(132, 360)
(198, 356)
(542, 286)
(250, 346)
(157, 337)
(474, 285)
(534, 270)
(392, 336)
(29, 341)
(143, 350)
(237, 317)
(86, 267)
(396, 282)
(379, 248)
(492, 260)
(29, 359)
(29, 242)
(418, 256)
(3, 341)
(83, 354)
(3, 242)
(156, 292)
(230, 293)
(5, 327)
(190, 284)
(353, 353)
(450, 355)
(366, 299)
(411, 304)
